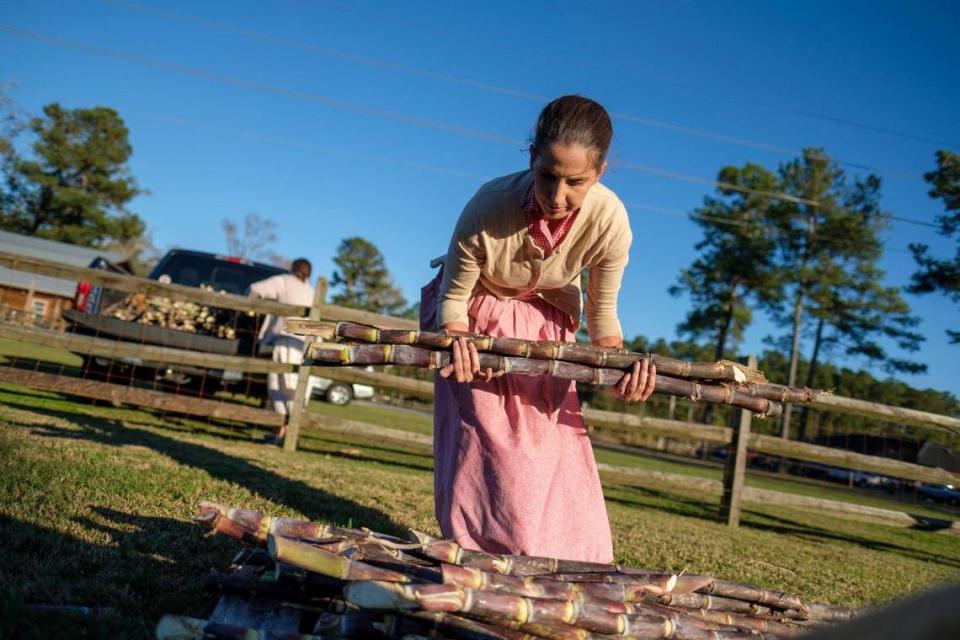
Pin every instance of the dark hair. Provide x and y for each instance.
(301, 263)
(575, 119)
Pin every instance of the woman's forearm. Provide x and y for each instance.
(455, 327)
(609, 342)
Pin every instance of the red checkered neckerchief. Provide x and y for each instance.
(545, 233)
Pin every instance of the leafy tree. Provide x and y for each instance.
(364, 280)
(736, 266)
(254, 239)
(934, 274)
(829, 244)
(76, 185)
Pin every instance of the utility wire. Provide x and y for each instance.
(483, 86)
(256, 135)
(595, 67)
(372, 111)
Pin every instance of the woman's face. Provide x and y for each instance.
(562, 176)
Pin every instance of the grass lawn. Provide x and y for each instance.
(96, 501)
(11, 350)
(421, 422)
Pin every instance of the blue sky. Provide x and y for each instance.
(381, 119)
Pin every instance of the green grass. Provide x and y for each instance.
(96, 501)
(384, 416)
(787, 484)
(11, 350)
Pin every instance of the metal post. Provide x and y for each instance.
(735, 467)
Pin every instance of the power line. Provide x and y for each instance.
(368, 110)
(483, 86)
(256, 135)
(594, 67)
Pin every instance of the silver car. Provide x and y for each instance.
(339, 393)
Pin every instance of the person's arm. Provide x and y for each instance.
(461, 271)
(268, 289)
(604, 279)
(603, 286)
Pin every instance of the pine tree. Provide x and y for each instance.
(76, 185)
(934, 274)
(364, 280)
(736, 267)
(829, 246)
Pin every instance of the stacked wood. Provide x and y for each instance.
(179, 315)
(716, 382)
(367, 584)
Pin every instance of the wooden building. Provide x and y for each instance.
(26, 297)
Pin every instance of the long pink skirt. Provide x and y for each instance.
(514, 469)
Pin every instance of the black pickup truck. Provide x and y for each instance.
(190, 268)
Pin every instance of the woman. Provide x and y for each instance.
(514, 470)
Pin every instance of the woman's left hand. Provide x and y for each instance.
(638, 385)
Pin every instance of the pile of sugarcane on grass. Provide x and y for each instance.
(721, 382)
(364, 584)
(159, 311)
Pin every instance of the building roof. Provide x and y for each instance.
(49, 250)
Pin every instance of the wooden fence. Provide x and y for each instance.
(606, 426)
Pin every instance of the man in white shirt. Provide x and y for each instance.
(289, 288)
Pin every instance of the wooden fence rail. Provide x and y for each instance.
(144, 352)
(120, 394)
(689, 431)
(608, 422)
(134, 284)
(705, 488)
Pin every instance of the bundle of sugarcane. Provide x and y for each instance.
(374, 585)
(721, 382)
(179, 315)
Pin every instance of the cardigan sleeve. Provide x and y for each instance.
(461, 268)
(604, 280)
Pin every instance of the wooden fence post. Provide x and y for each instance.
(300, 398)
(735, 467)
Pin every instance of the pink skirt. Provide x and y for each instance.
(514, 470)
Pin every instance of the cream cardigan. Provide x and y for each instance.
(492, 249)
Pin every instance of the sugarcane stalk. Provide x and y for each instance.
(775, 599)
(517, 611)
(544, 350)
(512, 595)
(366, 624)
(326, 563)
(184, 628)
(749, 623)
(311, 588)
(712, 603)
(752, 380)
(829, 613)
(255, 527)
(370, 354)
(482, 604)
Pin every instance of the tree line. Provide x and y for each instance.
(800, 243)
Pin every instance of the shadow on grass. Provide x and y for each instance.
(314, 503)
(147, 566)
(337, 445)
(761, 521)
(788, 526)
